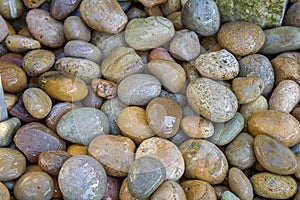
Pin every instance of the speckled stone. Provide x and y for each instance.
(8, 129)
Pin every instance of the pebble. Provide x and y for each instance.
(227, 195)
(220, 190)
(62, 86)
(8, 129)
(285, 96)
(133, 124)
(135, 13)
(169, 190)
(292, 15)
(14, 58)
(197, 127)
(204, 161)
(163, 116)
(170, 7)
(34, 138)
(212, 100)
(82, 49)
(240, 153)
(120, 63)
(76, 149)
(270, 185)
(10, 100)
(103, 16)
(175, 18)
(37, 102)
(276, 124)
(14, 79)
(33, 3)
(248, 88)
(45, 28)
(3, 29)
(38, 61)
(124, 192)
(13, 164)
(219, 65)
(138, 89)
(279, 159)
(286, 68)
(191, 72)
(51, 161)
(160, 54)
(240, 184)
(197, 188)
(79, 168)
(224, 133)
(241, 38)
(75, 29)
(34, 185)
(166, 152)
(114, 152)
(185, 45)
(171, 75)
(92, 99)
(20, 112)
(154, 11)
(113, 188)
(280, 39)
(145, 175)
(83, 69)
(11, 9)
(74, 127)
(152, 3)
(21, 44)
(139, 32)
(60, 9)
(4, 192)
(104, 88)
(202, 17)
(296, 113)
(258, 65)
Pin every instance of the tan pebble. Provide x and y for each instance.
(286, 68)
(197, 188)
(104, 88)
(76, 149)
(10, 100)
(160, 54)
(21, 44)
(76, 29)
(33, 3)
(4, 192)
(151, 3)
(169, 190)
(197, 127)
(240, 184)
(25, 32)
(154, 11)
(175, 18)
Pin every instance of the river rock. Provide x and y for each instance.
(76, 29)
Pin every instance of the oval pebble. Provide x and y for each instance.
(197, 188)
(8, 129)
(3, 29)
(197, 127)
(79, 168)
(4, 192)
(240, 184)
(76, 29)
(60, 9)
(169, 190)
(21, 44)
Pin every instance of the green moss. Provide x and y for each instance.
(266, 14)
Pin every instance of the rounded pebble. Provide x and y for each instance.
(4, 192)
(169, 190)
(8, 129)
(21, 44)
(240, 184)
(75, 29)
(197, 188)
(197, 127)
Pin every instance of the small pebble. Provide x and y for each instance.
(240, 184)
(60, 9)
(169, 190)
(197, 188)
(8, 129)
(197, 127)
(103, 88)
(21, 44)
(75, 29)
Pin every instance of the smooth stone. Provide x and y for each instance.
(74, 127)
(251, 10)
(3, 29)
(82, 49)
(81, 68)
(135, 13)
(124, 192)
(75, 29)
(79, 168)
(241, 38)
(279, 159)
(60, 9)
(166, 152)
(286, 68)
(14, 58)
(34, 185)
(114, 152)
(197, 188)
(133, 124)
(224, 133)
(240, 153)
(33, 3)
(227, 195)
(76, 149)
(160, 53)
(292, 15)
(145, 175)
(220, 189)
(21, 44)
(120, 63)
(103, 16)
(52, 161)
(171, 7)
(138, 89)
(4, 192)
(169, 190)
(104, 88)
(8, 129)
(148, 33)
(112, 108)
(219, 65)
(113, 188)
(191, 72)
(240, 184)
(10, 100)
(62, 86)
(37, 102)
(13, 78)
(247, 89)
(212, 100)
(185, 45)
(20, 112)
(45, 28)
(280, 39)
(197, 127)
(201, 16)
(285, 96)
(273, 186)
(34, 138)
(94, 100)
(171, 75)
(175, 18)
(11, 9)
(13, 164)
(197, 153)
(151, 3)
(276, 124)
(38, 61)
(154, 11)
